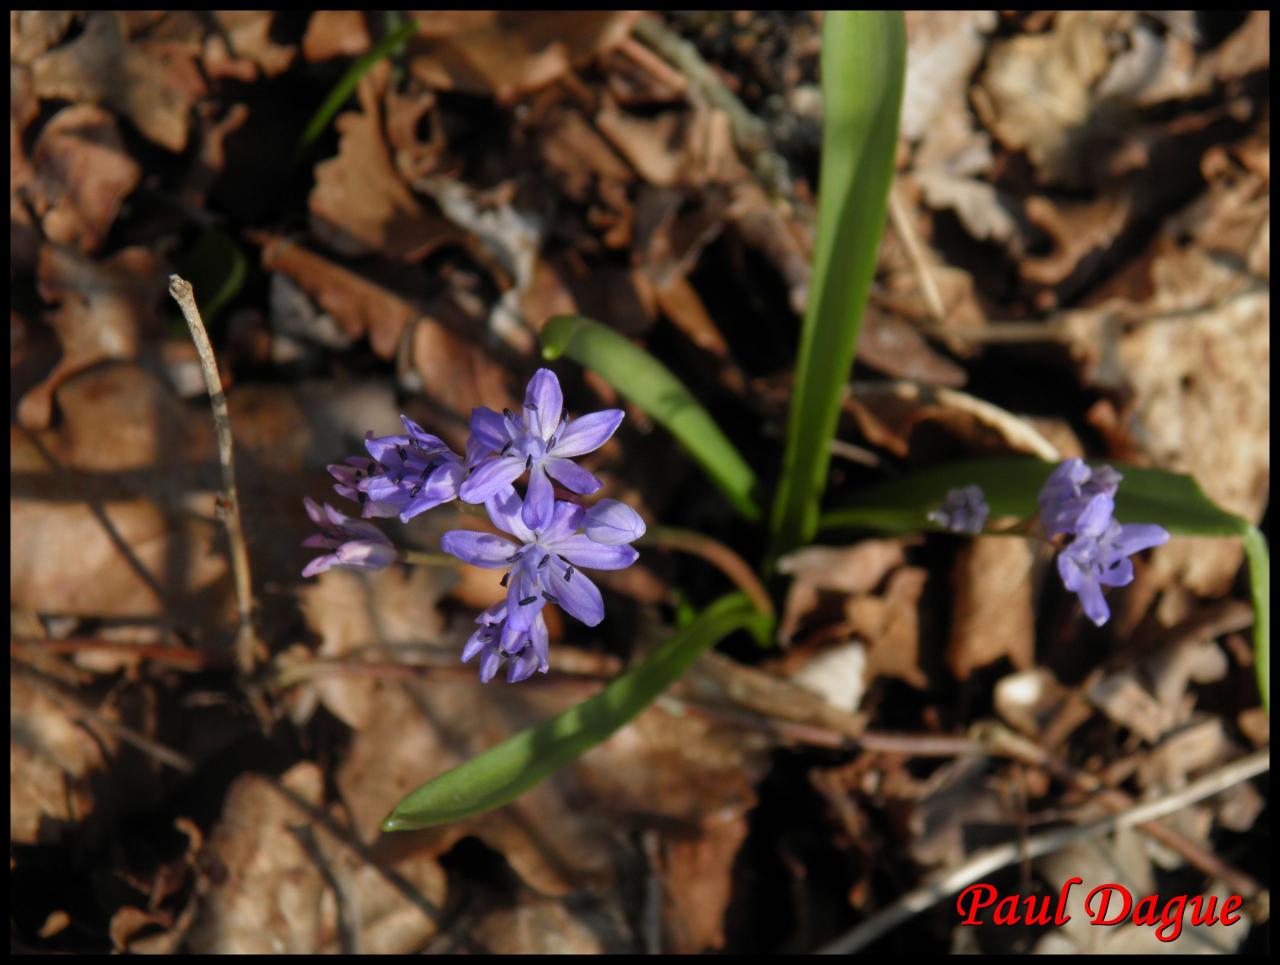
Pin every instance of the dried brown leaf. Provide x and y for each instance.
(54, 764)
(103, 310)
(891, 626)
(992, 614)
(267, 891)
(242, 46)
(83, 175)
(335, 33)
(359, 204)
(153, 86)
(509, 53)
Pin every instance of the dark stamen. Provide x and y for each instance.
(512, 558)
(505, 578)
(528, 599)
(361, 497)
(415, 490)
(508, 413)
(528, 463)
(506, 448)
(544, 561)
(426, 469)
(568, 572)
(549, 598)
(399, 478)
(551, 443)
(404, 453)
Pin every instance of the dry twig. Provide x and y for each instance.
(990, 860)
(247, 647)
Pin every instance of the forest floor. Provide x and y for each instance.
(1077, 262)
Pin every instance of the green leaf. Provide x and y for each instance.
(863, 62)
(503, 773)
(388, 46)
(649, 384)
(1255, 548)
(1010, 485)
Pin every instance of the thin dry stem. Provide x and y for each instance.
(718, 555)
(906, 231)
(247, 648)
(989, 860)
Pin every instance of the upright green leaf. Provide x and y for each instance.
(503, 773)
(1255, 548)
(863, 62)
(649, 384)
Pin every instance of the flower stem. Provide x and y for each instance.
(718, 555)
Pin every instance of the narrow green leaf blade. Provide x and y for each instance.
(649, 384)
(863, 63)
(388, 46)
(1255, 548)
(503, 773)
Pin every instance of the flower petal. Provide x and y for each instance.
(612, 522)
(504, 508)
(543, 402)
(581, 550)
(522, 667)
(539, 501)
(477, 642)
(1096, 517)
(571, 475)
(478, 549)
(586, 433)
(364, 554)
(320, 565)
(441, 487)
(425, 441)
(314, 511)
(524, 600)
(538, 642)
(566, 519)
(491, 476)
(489, 665)
(489, 428)
(1135, 537)
(577, 596)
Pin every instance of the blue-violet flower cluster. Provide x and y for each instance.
(1079, 502)
(549, 540)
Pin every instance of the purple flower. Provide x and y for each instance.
(543, 440)
(526, 651)
(1068, 491)
(613, 523)
(543, 563)
(412, 473)
(963, 511)
(356, 545)
(1099, 554)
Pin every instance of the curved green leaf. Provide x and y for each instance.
(503, 773)
(1011, 484)
(863, 63)
(649, 384)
